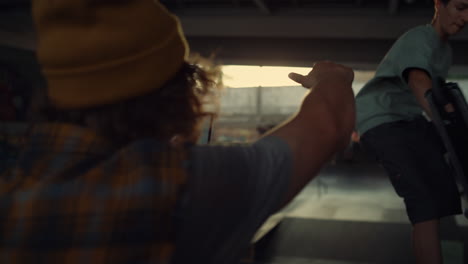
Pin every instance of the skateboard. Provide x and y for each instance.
(452, 127)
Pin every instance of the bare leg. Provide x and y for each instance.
(426, 242)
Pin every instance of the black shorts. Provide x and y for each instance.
(413, 156)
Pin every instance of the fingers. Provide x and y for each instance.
(326, 69)
(296, 77)
(323, 70)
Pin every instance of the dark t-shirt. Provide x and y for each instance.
(232, 190)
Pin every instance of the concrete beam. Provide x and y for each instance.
(262, 6)
(318, 26)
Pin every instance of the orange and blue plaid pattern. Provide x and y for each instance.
(72, 198)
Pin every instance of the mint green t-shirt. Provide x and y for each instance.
(387, 97)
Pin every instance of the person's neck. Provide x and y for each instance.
(437, 27)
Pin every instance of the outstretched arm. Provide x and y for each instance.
(323, 124)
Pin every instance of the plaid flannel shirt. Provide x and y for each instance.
(72, 198)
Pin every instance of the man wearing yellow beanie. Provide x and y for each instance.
(113, 176)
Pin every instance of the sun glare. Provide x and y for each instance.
(239, 76)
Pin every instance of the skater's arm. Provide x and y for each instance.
(420, 82)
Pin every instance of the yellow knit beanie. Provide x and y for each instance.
(96, 52)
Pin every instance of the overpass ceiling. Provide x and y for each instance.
(300, 32)
(274, 5)
(286, 32)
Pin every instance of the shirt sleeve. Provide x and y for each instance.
(231, 192)
(413, 50)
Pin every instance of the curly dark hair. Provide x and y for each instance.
(177, 108)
